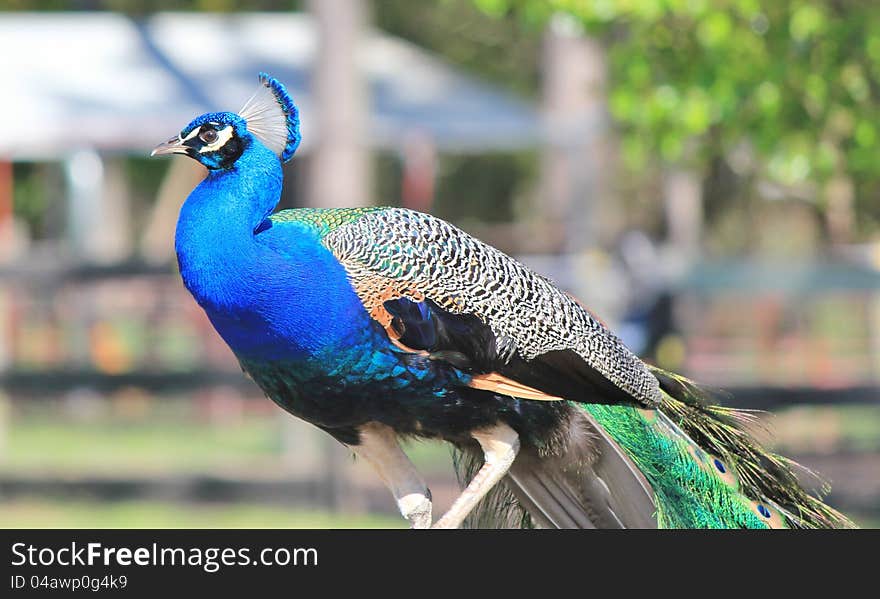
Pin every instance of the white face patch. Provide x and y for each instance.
(223, 135)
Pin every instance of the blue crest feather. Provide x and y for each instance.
(290, 111)
(272, 116)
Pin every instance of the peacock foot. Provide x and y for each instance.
(417, 508)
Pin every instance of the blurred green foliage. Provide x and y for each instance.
(785, 91)
(482, 187)
(794, 83)
(503, 50)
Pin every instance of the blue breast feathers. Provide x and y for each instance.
(274, 295)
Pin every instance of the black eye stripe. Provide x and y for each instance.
(211, 152)
(231, 151)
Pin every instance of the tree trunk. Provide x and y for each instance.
(339, 162)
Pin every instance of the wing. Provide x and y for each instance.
(437, 289)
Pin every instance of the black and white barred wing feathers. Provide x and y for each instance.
(437, 289)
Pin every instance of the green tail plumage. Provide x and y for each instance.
(703, 467)
(757, 488)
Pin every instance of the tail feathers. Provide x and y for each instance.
(761, 474)
(689, 464)
(592, 485)
(589, 484)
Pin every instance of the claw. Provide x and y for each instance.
(378, 446)
(417, 509)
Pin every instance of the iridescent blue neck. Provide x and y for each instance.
(218, 219)
(265, 303)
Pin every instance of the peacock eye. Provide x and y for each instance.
(208, 136)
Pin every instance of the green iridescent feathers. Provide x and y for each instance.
(725, 481)
(687, 492)
(761, 476)
(323, 220)
(705, 468)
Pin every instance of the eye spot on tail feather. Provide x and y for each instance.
(770, 515)
(714, 465)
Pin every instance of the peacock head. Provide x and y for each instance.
(218, 139)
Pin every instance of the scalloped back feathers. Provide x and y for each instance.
(273, 118)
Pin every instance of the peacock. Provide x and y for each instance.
(377, 324)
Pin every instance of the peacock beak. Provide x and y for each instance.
(172, 146)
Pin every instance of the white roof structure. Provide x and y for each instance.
(106, 81)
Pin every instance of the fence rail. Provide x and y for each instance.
(49, 384)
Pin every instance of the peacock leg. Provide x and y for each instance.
(379, 447)
(500, 444)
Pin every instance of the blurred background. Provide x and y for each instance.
(703, 173)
